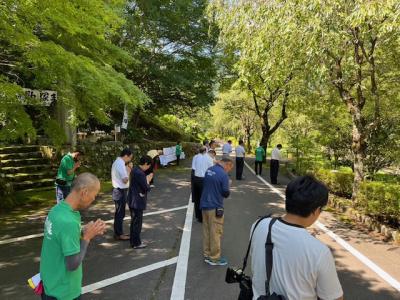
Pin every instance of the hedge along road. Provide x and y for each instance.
(113, 271)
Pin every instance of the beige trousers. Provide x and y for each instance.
(212, 233)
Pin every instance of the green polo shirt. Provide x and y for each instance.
(62, 232)
(178, 150)
(260, 153)
(67, 163)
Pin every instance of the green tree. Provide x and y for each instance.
(174, 47)
(234, 114)
(356, 46)
(267, 62)
(64, 46)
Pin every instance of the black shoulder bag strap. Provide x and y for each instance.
(269, 246)
(251, 237)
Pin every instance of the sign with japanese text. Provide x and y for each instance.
(44, 97)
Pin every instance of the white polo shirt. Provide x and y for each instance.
(118, 172)
(240, 152)
(303, 267)
(276, 154)
(201, 164)
(226, 148)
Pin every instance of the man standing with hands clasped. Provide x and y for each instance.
(216, 188)
(66, 174)
(120, 170)
(240, 154)
(274, 164)
(260, 154)
(63, 248)
(138, 189)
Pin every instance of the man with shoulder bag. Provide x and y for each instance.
(286, 259)
(215, 189)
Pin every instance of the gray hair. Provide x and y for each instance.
(85, 180)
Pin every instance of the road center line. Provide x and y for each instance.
(361, 257)
(32, 236)
(127, 275)
(179, 286)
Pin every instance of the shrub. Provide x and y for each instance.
(380, 199)
(339, 183)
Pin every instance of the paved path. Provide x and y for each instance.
(112, 270)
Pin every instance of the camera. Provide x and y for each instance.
(234, 275)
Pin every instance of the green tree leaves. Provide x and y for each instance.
(67, 46)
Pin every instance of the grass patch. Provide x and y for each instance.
(106, 186)
(35, 197)
(48, 197)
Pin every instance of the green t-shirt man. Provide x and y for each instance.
(260, 153)
(62, 232)
(178, 150)
(67, 163)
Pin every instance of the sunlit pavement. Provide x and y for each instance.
(112, 270)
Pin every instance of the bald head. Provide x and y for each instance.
(85, 181)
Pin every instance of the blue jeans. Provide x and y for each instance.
(119, 196)
(62, 191)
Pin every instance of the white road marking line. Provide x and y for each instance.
(179, 286)
(157, 212)
(361, 257)
(124, 276)
(21, 238)
(32, 236)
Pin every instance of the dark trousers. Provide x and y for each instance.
(178, 158)
(136, 226)
(197, 190)
(192, 183)
(239, 167)
(119, 197)
(62, 191)
(258, 167)
(274, 168)
(45, 297)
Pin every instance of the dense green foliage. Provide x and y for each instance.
(380, 199)
(233, 114)
(174, 47)
(66, 47)
(334, 62)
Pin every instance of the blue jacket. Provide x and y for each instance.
(215, 188)
(138, 188)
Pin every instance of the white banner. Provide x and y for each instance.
(125, 119)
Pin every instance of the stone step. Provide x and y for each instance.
(33, 184)
(20, 155)
(27, 169)
(39, 189)
(23, 162)
(19, 149)
(19, 177)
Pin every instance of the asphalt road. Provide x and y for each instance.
(107, 259)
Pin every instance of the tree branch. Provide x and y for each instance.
(255, 100)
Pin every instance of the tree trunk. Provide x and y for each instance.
(359, 149)
(266, 135)
(248, 138)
